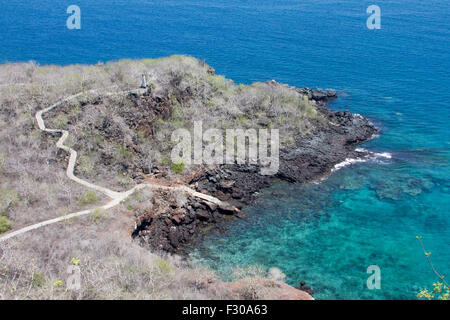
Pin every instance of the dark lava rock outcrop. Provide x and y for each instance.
(169, 227)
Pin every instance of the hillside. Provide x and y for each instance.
(123, 137)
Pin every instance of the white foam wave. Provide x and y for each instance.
(385, 155)
(369, 156)
(347, 162)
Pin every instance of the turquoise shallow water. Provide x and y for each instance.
(325, 234)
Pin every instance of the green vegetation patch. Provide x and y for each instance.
(37, 280)
(123, 153)
(2, 161)
(220, 83)
(440, 292)
(98, 215)
(88, 198)
(61, 120)
(8, 198)
(163, 265)
(5, 224)
(178, 166)
(86, 165)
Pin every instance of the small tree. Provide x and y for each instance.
(441, 290)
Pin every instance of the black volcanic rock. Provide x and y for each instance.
(332, 139)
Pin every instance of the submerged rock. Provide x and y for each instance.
(402, 186)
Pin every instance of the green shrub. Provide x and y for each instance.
(61, 120)
(98, 214)
(86, 165)
(165, 160)
(5, 224)
(243, 118)
(174, 100)
(163, 265)
(75, 110)
(176, 113)
(220, 83)
(123, 152)
(243, 87)
(8, 198)
(178, 166)
(124, 180)
(2, 161)
(210, 104)
(149, 62)
(58, 283)
(87, 198)
(37, 280)
(440, 292)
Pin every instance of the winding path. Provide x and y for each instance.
(116, 197)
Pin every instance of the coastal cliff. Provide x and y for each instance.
(117, 139)
(314, 140)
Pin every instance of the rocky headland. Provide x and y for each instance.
(171, 227)
(114, 140)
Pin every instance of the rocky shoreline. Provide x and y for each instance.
(172, 226)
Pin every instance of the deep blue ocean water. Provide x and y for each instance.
(326, 234)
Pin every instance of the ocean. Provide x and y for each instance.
(328, 233)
